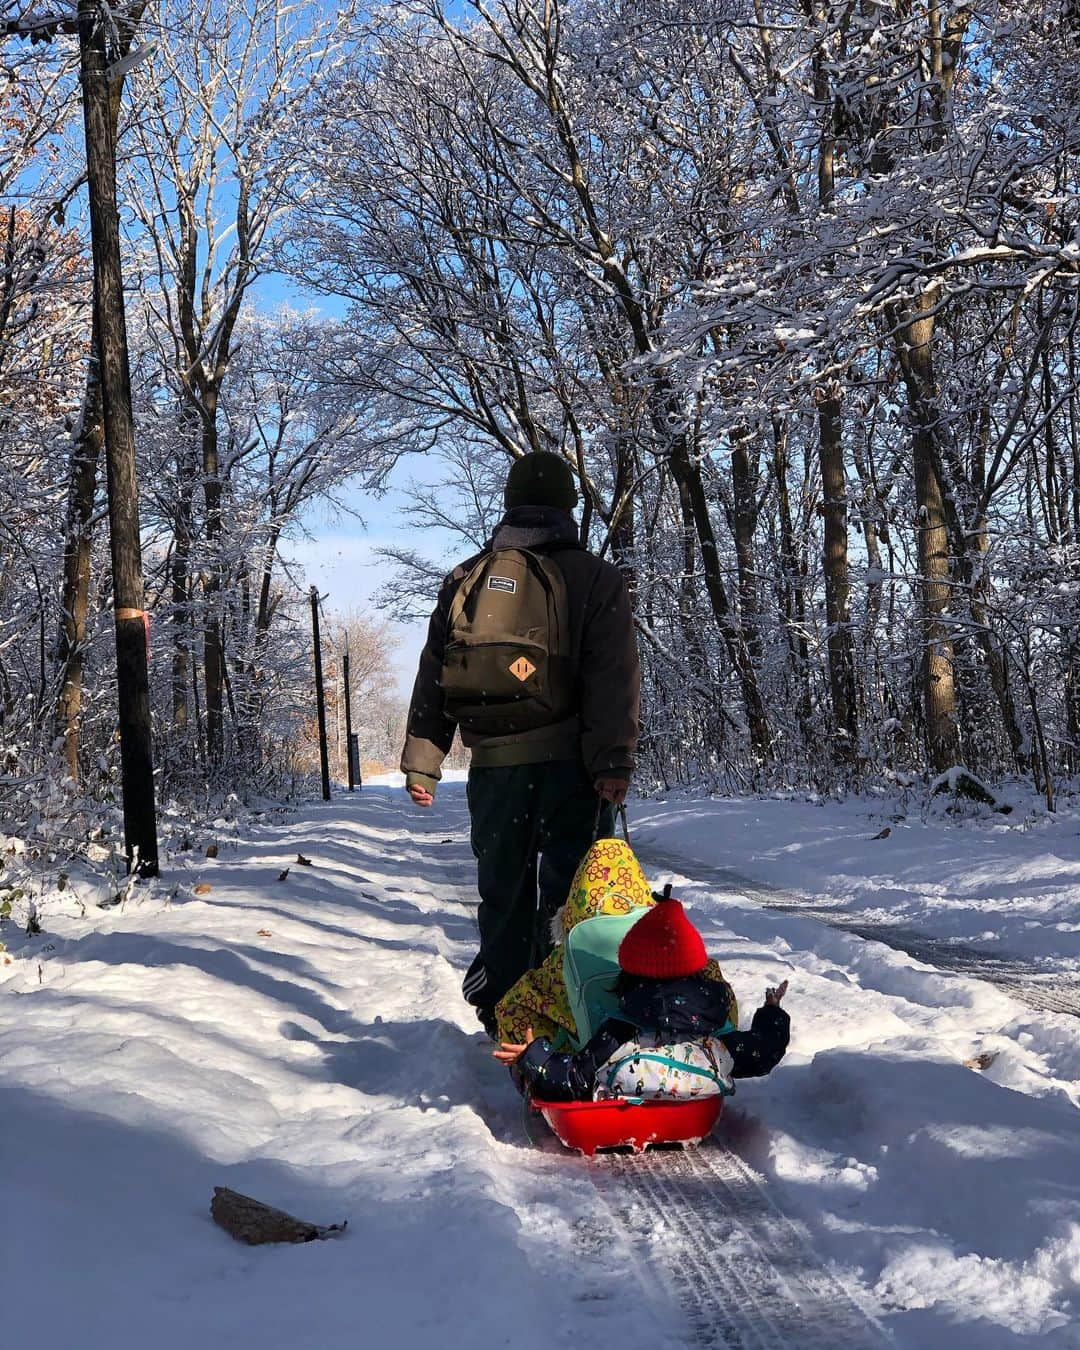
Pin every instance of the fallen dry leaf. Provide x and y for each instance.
(253, 1222)
(301, 859)
(283, 875)
(264, 932)
(211, 850)
(981, 1061)
(203, 888)
(883, 834)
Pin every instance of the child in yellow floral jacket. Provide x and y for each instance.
(570, 995)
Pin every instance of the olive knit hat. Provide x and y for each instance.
(663, 944)
(540, 479)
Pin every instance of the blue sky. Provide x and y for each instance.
(340, 558)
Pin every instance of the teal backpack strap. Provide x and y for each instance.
(713, 1074)
(681, 1065)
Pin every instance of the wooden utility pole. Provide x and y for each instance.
(348, 717)
(320, 701)
(110, 329)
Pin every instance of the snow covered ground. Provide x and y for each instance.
(303, 1040)
(1009, 885)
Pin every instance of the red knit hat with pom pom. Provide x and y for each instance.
(663, 944)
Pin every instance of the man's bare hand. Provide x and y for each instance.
(420, 795)
(612, 789)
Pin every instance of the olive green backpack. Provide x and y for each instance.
(507, 665)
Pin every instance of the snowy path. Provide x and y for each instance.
(304, 1040)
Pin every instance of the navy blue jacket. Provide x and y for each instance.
(690, 1008)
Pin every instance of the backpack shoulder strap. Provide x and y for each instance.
(555, 582)
(465, 588)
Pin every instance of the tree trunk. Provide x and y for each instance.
(837, 584)
(82, 489)
(792, 596)
(744, 523)
(688, 478)
(180, 597)
(213, 656)
(137, 768)
(993, 653)
(180, 616)
(689, 621)
(623, 525)
(875, 532)
(78, 548)
(914, 329)
(1072, 707)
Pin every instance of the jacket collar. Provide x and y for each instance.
(534, 527)
(692, 1004)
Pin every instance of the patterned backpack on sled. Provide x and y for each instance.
(650, 1067)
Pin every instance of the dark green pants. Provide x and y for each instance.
(519, 814)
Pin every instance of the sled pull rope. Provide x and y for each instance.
(620, 811)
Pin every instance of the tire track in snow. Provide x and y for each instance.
(743, 1274)
(1056, 992)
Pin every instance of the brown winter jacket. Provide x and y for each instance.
(603, 732)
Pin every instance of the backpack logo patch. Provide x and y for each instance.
(507, 584)
(522, 668)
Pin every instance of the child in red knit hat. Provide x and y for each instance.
(672, 1037)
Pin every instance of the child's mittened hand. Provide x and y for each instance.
(773, 996)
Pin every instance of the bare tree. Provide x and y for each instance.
(220, 135)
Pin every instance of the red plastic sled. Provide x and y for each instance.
(617, 1123)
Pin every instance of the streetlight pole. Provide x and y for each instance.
(348, 717)
(320, 701)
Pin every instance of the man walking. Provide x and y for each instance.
(531, 653)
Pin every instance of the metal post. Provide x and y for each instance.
(320, 702)
(339, 719)
(348, 717)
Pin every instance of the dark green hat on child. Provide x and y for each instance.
(540, 479)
